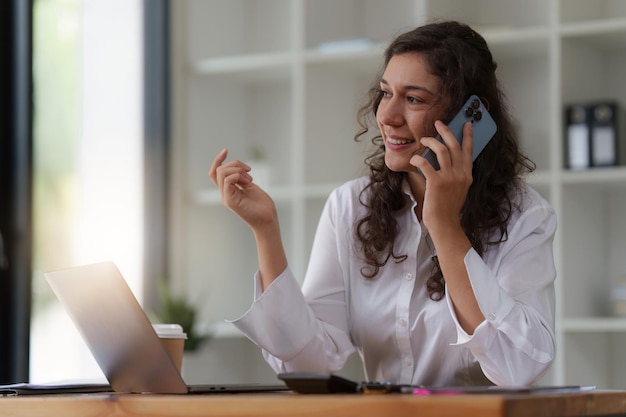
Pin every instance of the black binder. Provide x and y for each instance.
(592, 135)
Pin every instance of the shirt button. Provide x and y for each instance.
(408, 362)
(491, 316)
(409, 277)
(402, 322)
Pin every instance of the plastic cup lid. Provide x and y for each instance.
(170, 331)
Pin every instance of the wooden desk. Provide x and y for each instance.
(600, 403)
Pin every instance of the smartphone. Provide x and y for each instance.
(483, 128)
(318, 383)
(321, 383)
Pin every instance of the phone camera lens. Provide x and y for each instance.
(478, 115)
(469, 112)
(475, 103)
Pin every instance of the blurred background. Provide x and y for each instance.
(114, 109)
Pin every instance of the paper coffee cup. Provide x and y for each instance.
(173, 339)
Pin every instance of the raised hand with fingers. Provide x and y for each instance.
(240, 194)
(246, 199)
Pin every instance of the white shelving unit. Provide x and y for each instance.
(251, 74)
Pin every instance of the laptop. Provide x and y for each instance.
(121, 337)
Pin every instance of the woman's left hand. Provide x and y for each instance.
(446, 189)
(444, 197)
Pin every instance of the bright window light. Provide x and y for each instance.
(88, 162)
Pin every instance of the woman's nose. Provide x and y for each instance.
(389, 112)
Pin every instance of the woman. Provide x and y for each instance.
(435, 277)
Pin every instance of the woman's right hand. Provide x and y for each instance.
(240, 194)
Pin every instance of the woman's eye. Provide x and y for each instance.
(384, 93)
(414, 100)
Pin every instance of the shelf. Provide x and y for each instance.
(505, 43)
(601, 324)
(253, 66)
(606, 35)
(327, 21)
(210, 197)
(594, 27)
(527, 42)
(350, 59)
(598, 176)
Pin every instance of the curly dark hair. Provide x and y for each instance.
(461, 59)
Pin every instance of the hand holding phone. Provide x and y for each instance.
(483, 128)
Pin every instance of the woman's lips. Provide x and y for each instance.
(395, 142)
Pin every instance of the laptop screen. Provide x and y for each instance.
(116, 329)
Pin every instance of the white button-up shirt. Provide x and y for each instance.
(401, 334)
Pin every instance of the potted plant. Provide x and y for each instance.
(176, 309)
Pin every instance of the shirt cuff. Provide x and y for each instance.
(279, 319)
(493, 302)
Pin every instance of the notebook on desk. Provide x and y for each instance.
(121, 337)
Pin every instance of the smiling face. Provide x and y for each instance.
(409, 106)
